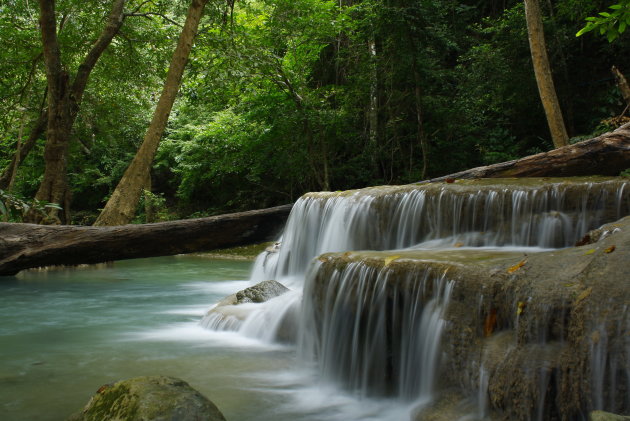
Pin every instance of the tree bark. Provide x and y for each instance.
(622, 84)
(421, 135)
(542, 71)
(64, 100)
(122, 205)
(37, 129)
(608, 154)
(24, 246)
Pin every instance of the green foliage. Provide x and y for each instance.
(277, 97)
(625, 173)
(612, 23)
(14, 208)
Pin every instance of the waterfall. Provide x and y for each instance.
(375, 330)
(378, 328)
(485, 213)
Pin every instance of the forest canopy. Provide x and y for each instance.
(281, 97)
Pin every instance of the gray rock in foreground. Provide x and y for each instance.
(153, 398)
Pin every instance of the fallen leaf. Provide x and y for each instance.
(450, 180)
(584, 294)
(490, 323)
(520, 307)
(591, 251)
(610, 249)
(390, 259)
(458, 244)
(517, 266)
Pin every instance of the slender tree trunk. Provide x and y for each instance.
(542, 70)
(422, 138)
(122, 205)
(373, 111)
(622, 84)
(22, 152)
(64, 101)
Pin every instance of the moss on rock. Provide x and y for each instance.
(154, 398)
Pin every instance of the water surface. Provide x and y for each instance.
(66, 332)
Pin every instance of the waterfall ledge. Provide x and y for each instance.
(534, 336)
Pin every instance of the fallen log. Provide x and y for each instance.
(608, 154)
(24, 246)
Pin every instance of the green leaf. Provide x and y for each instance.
(605, 14)
(622, 27)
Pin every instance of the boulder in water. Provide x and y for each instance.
(153, 398)
(259, 293)
(228, 313)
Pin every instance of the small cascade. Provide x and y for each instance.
(404, 291)
(373, 330)
(545, 213)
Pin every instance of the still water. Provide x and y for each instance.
(64, 333)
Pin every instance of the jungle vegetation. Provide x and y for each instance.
(281, 97)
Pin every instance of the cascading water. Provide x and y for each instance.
(376, 329)
(490, 213)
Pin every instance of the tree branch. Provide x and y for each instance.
(149, 14)
(114, 23)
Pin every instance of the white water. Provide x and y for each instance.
(344, 332)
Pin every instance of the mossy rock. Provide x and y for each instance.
(606, 416)
(154, 398)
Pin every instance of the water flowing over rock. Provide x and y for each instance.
(240, 312)
(466, 295)
(155, 398)
(492, 212)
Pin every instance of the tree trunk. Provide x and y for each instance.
(622, 84)
(24, 246)
(373, 111)
(422, 138)
(542, 70)
(22, 152)
(122, 205)
(64, 101)
(608, 154)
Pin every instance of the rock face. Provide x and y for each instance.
(155, 398)
(535, 336)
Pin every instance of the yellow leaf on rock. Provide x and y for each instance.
(390, 259)
(610, 249)
(584, 294)
(591, 251)
(517, 266)
(520, 307)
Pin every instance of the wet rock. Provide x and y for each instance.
(607, 416)
(154, 398)
(259, 293)
(229, 313)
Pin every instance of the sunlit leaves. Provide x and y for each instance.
(609, 24)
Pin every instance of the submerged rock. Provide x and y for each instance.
(154, 398)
